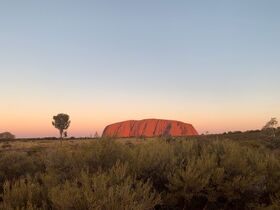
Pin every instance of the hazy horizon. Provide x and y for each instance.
(214, 64)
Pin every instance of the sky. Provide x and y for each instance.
(214, 64)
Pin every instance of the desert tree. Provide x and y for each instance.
(96, 135)
(61, 122)
(271, 125)
(6, 135)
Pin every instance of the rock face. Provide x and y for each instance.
(149, 128)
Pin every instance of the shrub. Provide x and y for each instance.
(13, 165)
(7, 136)
(6, 145)
(23, 194)
(115, 189)
(179, 174)
(66, 163)
(223, 175)
(153, 161)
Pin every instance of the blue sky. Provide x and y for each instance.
(211, 63)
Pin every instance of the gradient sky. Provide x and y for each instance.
(215, 64)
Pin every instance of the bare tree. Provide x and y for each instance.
(96, 135)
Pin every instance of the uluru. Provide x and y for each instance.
(149, 128)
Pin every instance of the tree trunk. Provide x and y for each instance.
(61, 133)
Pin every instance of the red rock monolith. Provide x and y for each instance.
(149, 128)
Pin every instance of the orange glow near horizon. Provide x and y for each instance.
(33, 118)
(42, 127)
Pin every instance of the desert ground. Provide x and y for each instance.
(226, 171)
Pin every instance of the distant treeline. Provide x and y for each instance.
(234, 135)
(54, 138)
(268, 134)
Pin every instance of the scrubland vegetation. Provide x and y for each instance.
(208, 172)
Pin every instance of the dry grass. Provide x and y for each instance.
(27, 145)
(193, 173)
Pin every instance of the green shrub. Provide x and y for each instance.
(24, 194)
(115, 189)
(225, 175)
(13, 165)
(66, 163)
(153, 161)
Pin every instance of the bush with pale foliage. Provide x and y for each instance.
(179, 174)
